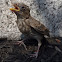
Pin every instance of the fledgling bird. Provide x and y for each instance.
(29, 26)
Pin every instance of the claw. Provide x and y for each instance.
(58, 40)
(21, 43)
(35, 54)
(58, 49)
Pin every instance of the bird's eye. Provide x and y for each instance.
(15, 4)
(22, 7)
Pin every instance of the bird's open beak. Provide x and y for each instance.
(15, 9)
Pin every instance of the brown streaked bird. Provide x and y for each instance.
(29, 26)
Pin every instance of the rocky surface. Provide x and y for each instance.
(49, 12)
(10, 52)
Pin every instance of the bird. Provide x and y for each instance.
(29, 26)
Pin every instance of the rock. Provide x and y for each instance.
(48, 12)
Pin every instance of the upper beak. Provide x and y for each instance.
(16, 8)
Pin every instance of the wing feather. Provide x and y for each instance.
(38, 26)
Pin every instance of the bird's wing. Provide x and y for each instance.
(39, 27)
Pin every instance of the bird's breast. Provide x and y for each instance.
(23, 27)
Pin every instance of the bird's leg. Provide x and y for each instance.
(39, 44)
(36, 52)
(22, 43)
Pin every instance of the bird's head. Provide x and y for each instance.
(21, 10)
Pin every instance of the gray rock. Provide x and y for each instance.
(48, 12)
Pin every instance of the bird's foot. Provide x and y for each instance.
(57, 40)
(18, 42)
(21, 43)
(35, 54)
